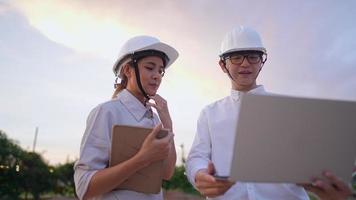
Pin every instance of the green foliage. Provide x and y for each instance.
(63, 174)
(179, 181)
(10, 154)
(35, 174)
(353, 181)
(312, 196)
(23, 173)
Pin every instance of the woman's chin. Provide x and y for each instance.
(151, 92)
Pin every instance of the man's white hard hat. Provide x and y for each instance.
(241, 39)
(143, 43)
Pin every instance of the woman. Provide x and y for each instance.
(141, 65)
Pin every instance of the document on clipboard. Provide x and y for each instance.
(126, 142)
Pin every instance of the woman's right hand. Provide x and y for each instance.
(154, 149)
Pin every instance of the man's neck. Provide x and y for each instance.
(244, 88)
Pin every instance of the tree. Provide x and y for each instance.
(10, 158)
(63, 174)
(36, 175)
(179, 181)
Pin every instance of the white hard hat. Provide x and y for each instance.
(241, 39)
(142, 43)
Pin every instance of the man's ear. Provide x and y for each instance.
(222, 64)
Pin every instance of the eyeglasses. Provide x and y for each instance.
(238, 59)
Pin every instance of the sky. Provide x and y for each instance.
(56, 58)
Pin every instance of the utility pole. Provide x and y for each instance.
(182, 153)
(35, 140)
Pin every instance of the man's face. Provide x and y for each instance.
(244, 68)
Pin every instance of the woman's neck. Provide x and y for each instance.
(138, 95)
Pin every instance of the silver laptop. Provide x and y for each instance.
(290, 139)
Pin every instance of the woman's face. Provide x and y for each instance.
(151, 69)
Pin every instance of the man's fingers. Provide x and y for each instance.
(203, 176)
(213, 192)
(211, 168)
(314, 190)
(323, 185)
(335, 181)
(208, 185)
(303, 184)
(217, 184)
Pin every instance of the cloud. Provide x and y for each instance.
(70, 24)
(56, 55)
(46, 84)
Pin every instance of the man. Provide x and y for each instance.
(242, 57)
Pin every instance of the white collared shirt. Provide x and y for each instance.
(214, 141)
(95, 148)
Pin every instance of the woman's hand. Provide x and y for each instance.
(160, 104)
(154, 149)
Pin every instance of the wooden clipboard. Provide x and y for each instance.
(126, 142)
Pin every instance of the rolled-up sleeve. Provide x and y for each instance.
(94, 150)
(200, 152)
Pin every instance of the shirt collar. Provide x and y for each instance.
(134, 106)
(235, 94)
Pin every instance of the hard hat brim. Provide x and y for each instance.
(263, 50)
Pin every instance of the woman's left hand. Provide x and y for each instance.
(160, 104)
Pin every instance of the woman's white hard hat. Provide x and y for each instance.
(142, 43)
(241, 39)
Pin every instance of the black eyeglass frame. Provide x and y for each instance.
(261, 55)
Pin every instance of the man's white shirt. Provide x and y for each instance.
(214, 142)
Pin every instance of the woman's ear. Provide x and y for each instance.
(127, 70)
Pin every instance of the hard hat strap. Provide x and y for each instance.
(138, 55)
(138, 80)
(228, 73)
(265, 59)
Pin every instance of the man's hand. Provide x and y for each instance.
(329, 188)
(208, 185)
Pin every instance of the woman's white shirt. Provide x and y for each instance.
(95, 148)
